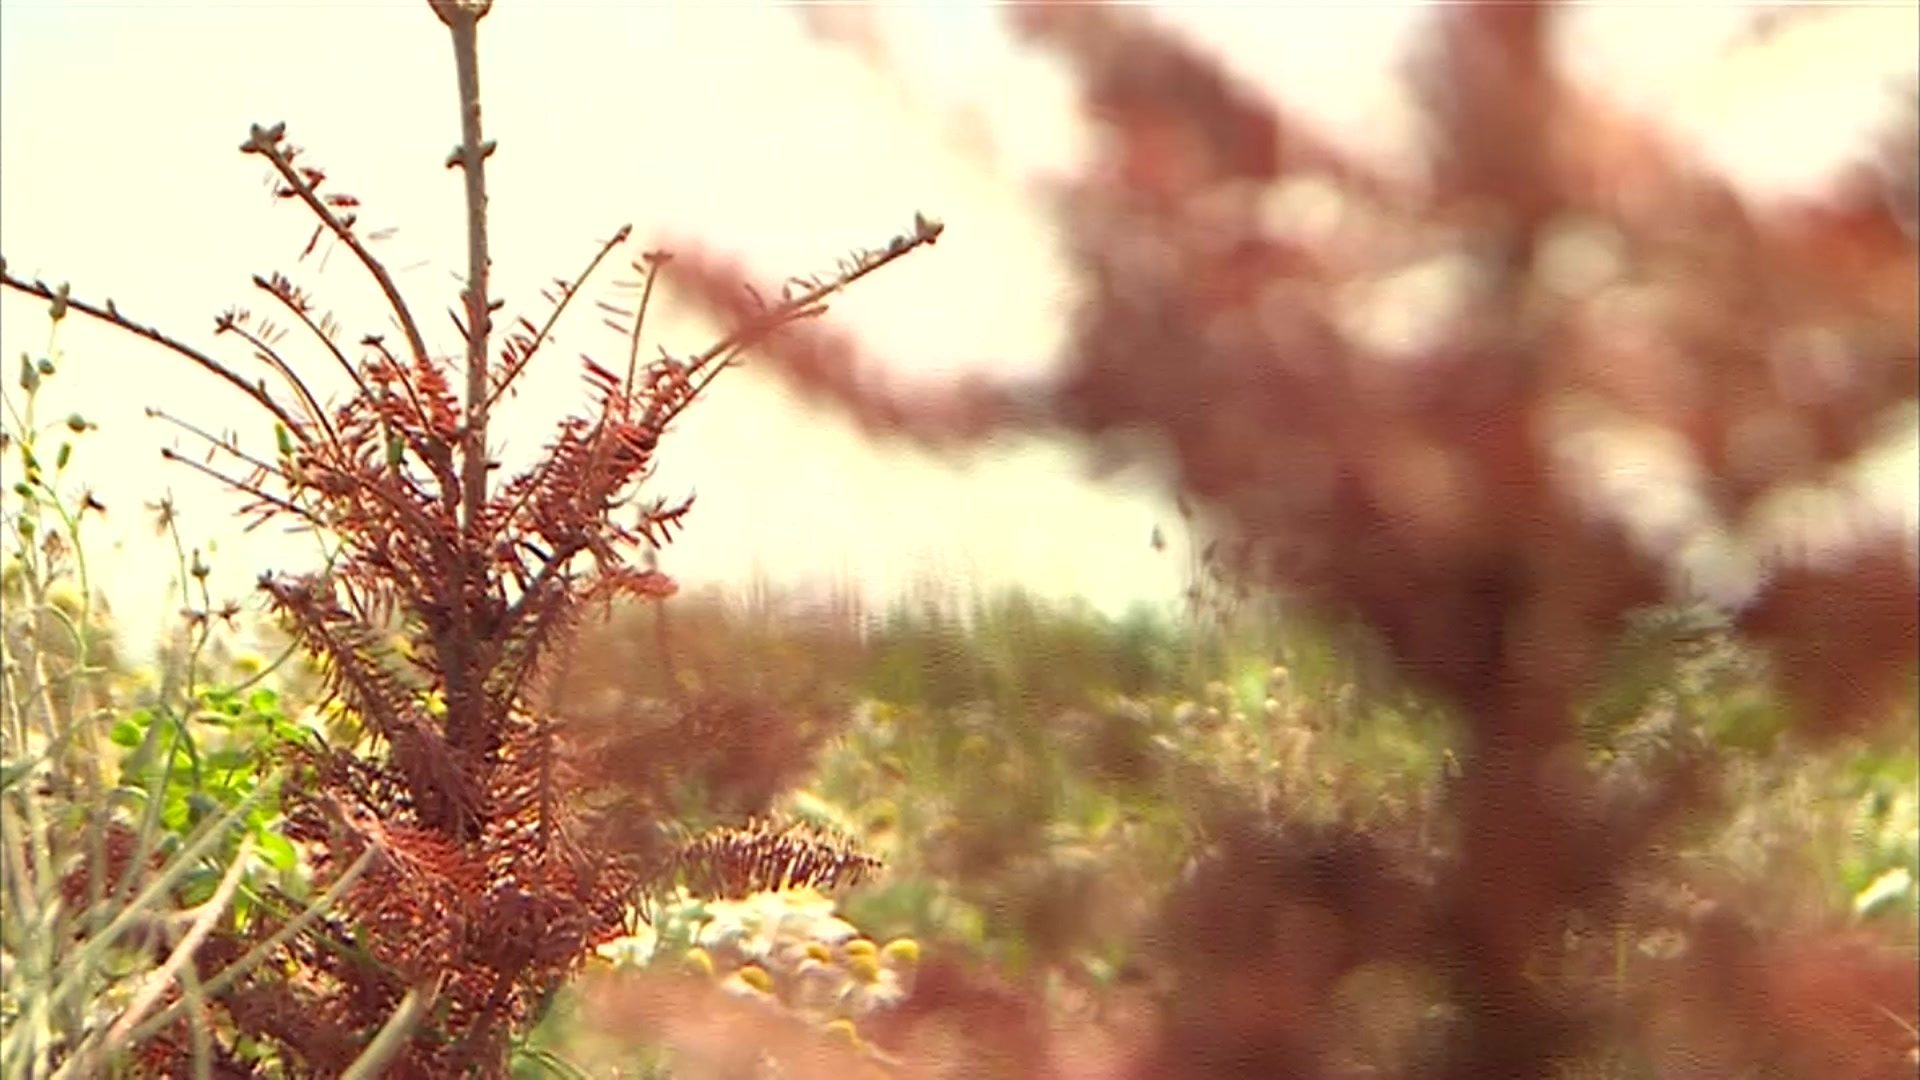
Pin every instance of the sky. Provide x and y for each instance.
(119, 172)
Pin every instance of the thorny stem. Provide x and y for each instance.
(660, 413)
(225, 444)
(111, 314)
(271, 356)
(428, 445)
(240, 485)
(265, 141)
(654, 262)
(515, 366)
(463, 21)
(716, 358)
(808, 304)
(294, 301)
(926, 231)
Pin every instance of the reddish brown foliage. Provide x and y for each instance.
(489, 880)
(1430, 490)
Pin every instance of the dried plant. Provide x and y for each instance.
(486, 886)
(1460, 495)
(764, 857)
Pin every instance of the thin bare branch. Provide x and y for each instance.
(654, 261)
(226, 445)
(111, 314)
(266, 352)
(267, 142)
(283, 290)
(245, 488)
(519, 363)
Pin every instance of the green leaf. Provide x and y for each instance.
(176, 814)
(276, 850)
(197, 886)
(228, 759)
(126, 732)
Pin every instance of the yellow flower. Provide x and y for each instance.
(902, 952)
(756, 976)
(844, 1030)
(699, 962)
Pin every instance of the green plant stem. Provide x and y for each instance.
(90, 1054)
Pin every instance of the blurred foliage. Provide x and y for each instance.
(1040, 779)
(139, 806)
(1235, 840)
(1491, 401)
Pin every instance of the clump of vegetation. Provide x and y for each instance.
(1464, 495)
(138, 822)
(481, 881)
(1448, 766)
(1046, 832)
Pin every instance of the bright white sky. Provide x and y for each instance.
(119, 171)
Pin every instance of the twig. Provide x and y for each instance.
(265, 351)
(284, 291)
(242, 486)
(519, 364)
(225, 445)
(111, 314)
(266, 142)
(925, 232)
(158, 980)
(654, 261)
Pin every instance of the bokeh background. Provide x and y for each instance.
(734, 125)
